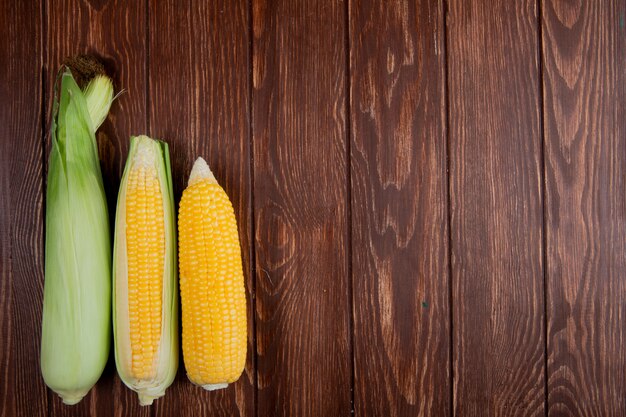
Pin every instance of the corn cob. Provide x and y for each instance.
(145, 295)
(77, 291)
(211, 283)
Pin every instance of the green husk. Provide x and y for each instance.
(143, 148)
(77, 289)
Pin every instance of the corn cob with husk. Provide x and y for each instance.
(145, 292)
(77, 290)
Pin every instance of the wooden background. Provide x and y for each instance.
(431, 195)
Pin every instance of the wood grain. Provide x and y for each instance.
(114, 31)
(300, 203)
(21, 210)
(199, 103)
(326, 123)
(399, 209)
(496, 208)
(584, 51)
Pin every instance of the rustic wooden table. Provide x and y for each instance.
(431, 195)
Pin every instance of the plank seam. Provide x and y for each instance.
(348, 110)
(449, 210)
(544, 238)
(255, 355)
(43, 59)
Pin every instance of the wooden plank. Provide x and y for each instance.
(496, 208)
(399, 209)
(115, 31)
(584, 53)
(21, 217)
(300, 193)
(199, 103)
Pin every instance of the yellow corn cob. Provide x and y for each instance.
(211, 283)
(145, 240)
(145, 273)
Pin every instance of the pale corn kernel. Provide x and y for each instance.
(145, 241)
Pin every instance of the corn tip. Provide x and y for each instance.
(145, 156)
(200, 171)
(72, 398)
(146, 399)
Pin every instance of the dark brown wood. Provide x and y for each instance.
(114, 31)
(496, 208)
(199, 96)
(21, 210)
(584, 51)
(326, 121)
(399, 209)
(300, 195)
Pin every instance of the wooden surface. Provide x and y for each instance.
(399, 209)
(431, 195)
(584, 90)
(21, 215)
(300, 205)
(496, 209)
